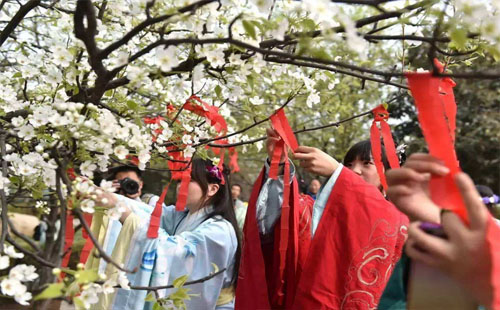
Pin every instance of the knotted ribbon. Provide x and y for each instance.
(381, 116)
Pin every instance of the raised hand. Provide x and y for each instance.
(409, 187)
(316, 161)
(464, 255)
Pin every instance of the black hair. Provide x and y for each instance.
(236, 184)
(222, 202)
(125, 168)
(363, 151)
(484, 191)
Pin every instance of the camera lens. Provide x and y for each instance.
(129, 186)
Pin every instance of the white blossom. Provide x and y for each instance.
(121, 152)
(263, 5)
(22, 297)
(256, 100)
(87, 168)
(116, 212)
(167, 58)
(123, 280)
(10, 251)
(4, 262)
(87, 206)
(107, 186)
(23, 273)
(10, 286)
(17, 121)
(312, 99)
(27, 132)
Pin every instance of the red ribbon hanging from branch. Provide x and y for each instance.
(211, 113)
(88, 242)
(381, 116)
(154, 222)
(288, 140)
(435, 124)
(68, 238)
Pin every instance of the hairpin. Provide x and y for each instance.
(215, 172)
(492, 199)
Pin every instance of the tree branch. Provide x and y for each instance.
(101, 251)
(335, 124)
(148, 22)
(3, 196)
(14, 22)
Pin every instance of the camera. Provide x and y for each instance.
(129, 186)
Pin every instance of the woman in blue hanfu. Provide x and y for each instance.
(189, 243)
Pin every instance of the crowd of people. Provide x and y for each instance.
(343, 244)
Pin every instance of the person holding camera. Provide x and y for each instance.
(128, 182)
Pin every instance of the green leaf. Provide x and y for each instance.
(250, 29)
(157, 306)
(131, 104)
(150, 297)
(180, 281)
(309, 24)
(54, 290)
(218, 91)
(459, 37)
(86, 276)
(181, 294)
(78, 303)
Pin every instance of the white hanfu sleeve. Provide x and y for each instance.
(162, 260)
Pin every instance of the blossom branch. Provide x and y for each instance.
(14, 22)
(148, 22)
(156, 288)
(3, 196)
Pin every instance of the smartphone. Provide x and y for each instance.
(430, 289)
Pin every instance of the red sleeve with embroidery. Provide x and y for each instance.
(357, 243)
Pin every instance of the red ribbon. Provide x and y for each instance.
(425, 89)
(154, 222)
(208, 111)
(183, 190)
(211, 113)
(381, 116)
(282, 127)
(68, 239)
(88, 242)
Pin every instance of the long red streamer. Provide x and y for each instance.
(154, 223)
(88, 242)
(381, 116)
(68, 240)
(282, 127)
(436, 130)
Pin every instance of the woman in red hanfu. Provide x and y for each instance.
(340, 250)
